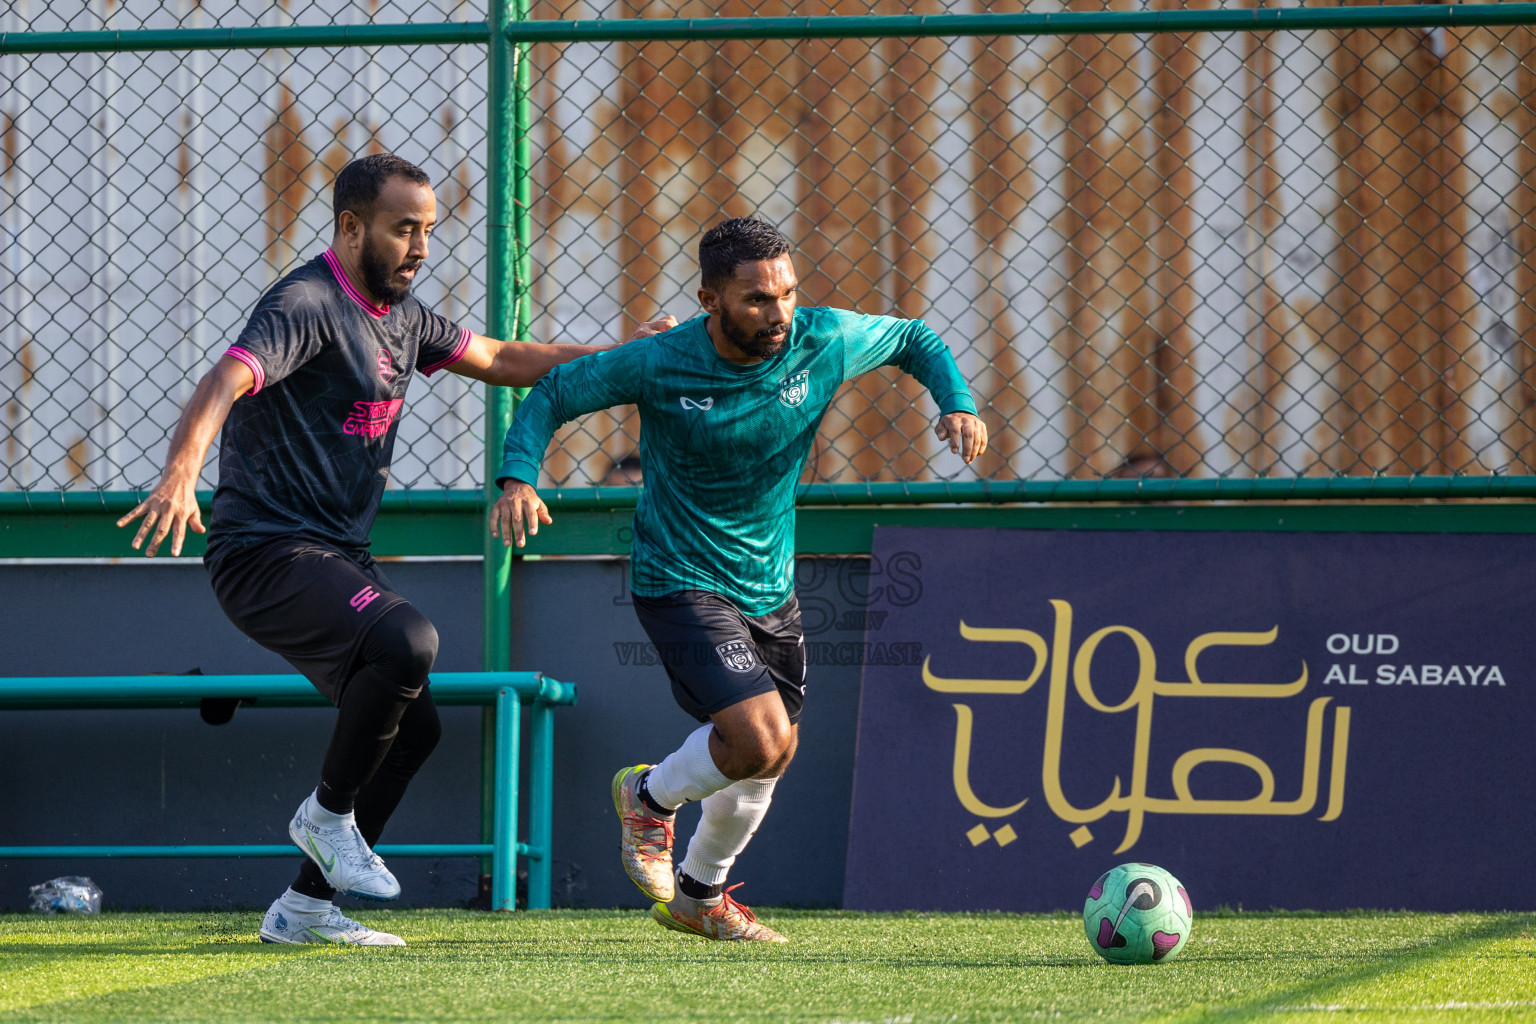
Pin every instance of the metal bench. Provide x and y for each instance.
(506, 692)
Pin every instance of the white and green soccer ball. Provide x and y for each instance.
(1137, 914)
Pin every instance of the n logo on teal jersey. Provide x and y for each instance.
(794, 388)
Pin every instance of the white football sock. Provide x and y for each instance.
(324, 818)
(730, 819)
(688, 773)
(305, 904)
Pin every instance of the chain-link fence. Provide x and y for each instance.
(1238, 254)
(150, 198)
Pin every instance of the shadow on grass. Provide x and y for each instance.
(674, 950)
(87, 950)
(1375, 965)
(641, 943)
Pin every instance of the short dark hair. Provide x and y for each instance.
(360, 182)
(739, 240)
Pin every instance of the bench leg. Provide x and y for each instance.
(541, 808)
(504, 841)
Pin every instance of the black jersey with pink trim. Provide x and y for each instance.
(306, 451)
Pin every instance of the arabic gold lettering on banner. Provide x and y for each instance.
(1056, 660)
(968, 798)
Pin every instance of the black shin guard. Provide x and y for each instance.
(397, 655)
(419, 732)
(386, 727)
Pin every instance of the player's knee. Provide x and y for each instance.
(780, 740)
(403, 646)
(421, 647)
(781, 763)
(764, 748)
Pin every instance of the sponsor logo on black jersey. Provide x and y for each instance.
(372, 419)
(387, 371)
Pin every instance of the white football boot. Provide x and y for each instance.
(341, 854)
(284, 924)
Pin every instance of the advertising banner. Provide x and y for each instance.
(1291, 720)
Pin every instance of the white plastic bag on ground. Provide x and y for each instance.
(71, 894)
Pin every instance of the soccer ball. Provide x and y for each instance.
(1137, 914)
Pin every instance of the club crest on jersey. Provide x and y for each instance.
(737, 655)
(387, 369)
(794, 388)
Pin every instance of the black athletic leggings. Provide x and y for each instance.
(386, 727)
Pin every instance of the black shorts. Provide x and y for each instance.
(716, 656)
(307, 601)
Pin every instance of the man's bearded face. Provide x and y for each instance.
(764, 343)
(386, 279)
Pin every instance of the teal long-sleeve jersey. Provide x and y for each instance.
(722, 446)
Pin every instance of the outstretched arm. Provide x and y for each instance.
(172, 506)
(520, 364)
(612, 377)
(914, 347)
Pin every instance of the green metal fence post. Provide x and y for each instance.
(522, 181)
(508, 273)
(541, 804)
(500, 322)
(504, 855)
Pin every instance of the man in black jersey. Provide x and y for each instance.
(308, 400)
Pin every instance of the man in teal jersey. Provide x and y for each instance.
(729, 406)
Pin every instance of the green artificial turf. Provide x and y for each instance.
(843, 967)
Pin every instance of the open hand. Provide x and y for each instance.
(660, 325)
(966, 434)
(170, 510)
(518, 505)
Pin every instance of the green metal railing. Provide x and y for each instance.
(255, 38)
(505, 692)
(509, 22)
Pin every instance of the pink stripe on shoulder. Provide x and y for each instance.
(236, 352)
(346, 286)
(453, 357)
